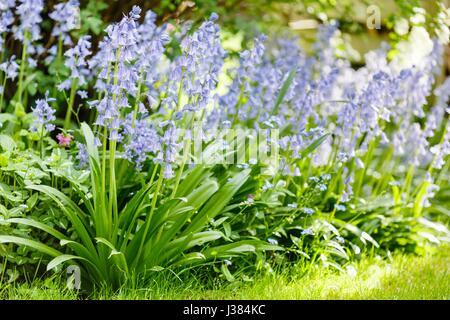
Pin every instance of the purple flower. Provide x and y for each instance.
(198, 68)
(441, 150)
(44, 115)
(242, 77)
(76, 61)
(83, 94)
(10, 68)
(82, 156)
(67, 18)
(6, 18)
(117, 77)
(7, 4)
(29, 12)
(168, 171)
(142, 140)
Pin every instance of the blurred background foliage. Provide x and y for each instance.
(241, 20)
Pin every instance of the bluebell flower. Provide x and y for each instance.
(142, 141)
(76, 61)
(6, 19)
(441, 150)
(411, 142)
(323, 44)
(29, 12)
(82, 156)
(267, 185)
(10, 68)
(198, 68)
(151, 47)
(44, 115)
(7, 4)
(67, 18)
(314, 179)
(82, 94)
(242, 77)
(168, 171)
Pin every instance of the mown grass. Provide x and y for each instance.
(401, 277)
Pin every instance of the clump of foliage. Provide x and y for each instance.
(151, 153)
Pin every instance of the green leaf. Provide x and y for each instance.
(229, 250)
(190, 258)
(7, 143)
(36, 224)
(7, 117)
(73, 212)
(91, 146)
(61, 259)
(30, 243)
(157, 269)
(287, 83)
(217, 202)
(116, 255)
(227, 273)
(314, 145)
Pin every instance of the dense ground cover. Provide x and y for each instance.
(401, 277)
(157, 153)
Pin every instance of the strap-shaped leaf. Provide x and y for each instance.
(36, 224)
(287, 83)
(30, 243)
(61, 259)
(72, 211)
(218, 202)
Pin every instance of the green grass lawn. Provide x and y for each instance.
(402, 277)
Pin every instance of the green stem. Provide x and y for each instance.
(93, 114)
(408, 181)
(138, 97)
(149, 216)
(187, 146)
(112, 185)
(3, 94)
(433, 161)
(73, 90)
(22, 66)
(367, 160)
(180, 90)
(60, 47)
(1, 61)
(385, 165)
(103, 190)
(41, 144)
(112, 205)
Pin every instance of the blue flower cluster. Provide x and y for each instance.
(144, 97)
